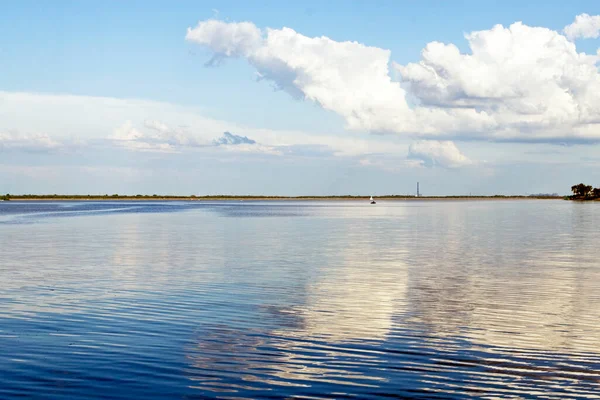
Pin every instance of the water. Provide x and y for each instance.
(413, 299)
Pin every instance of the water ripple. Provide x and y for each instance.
(300, 300)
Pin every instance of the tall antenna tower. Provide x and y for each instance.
(418, 194)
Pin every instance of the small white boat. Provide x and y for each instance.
(372, 201)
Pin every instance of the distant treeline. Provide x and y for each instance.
(253, 197)
(91, 196)
(585, 192)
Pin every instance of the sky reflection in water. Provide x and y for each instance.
(322, 299)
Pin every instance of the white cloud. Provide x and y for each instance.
(519, 83)
(585, 26)
(154, 136)
(252, 148)
(437, 153)
(159, 126)
(229, 40)
(229, 138)
(173, 136)
(346, 77)
(391, 164)
(28, 142)
(243, 144)
(132, 138)
(530, 80)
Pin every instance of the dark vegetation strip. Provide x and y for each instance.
(252, 197)
(584, 192)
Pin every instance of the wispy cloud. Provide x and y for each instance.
(141, 125)
(29, 142)
(432, 153)
(156, 137)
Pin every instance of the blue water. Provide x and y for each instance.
(405, 299)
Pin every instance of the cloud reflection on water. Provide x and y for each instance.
(331, 297)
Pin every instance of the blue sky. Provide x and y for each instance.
(110, 97)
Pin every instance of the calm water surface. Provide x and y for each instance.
(414, 299)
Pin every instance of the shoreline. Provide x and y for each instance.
(268, 198)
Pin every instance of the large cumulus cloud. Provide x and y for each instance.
(348, 78)
(517, 83)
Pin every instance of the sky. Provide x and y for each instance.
(299, 98)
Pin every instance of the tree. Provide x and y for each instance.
(596, 193)
(581, 191)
